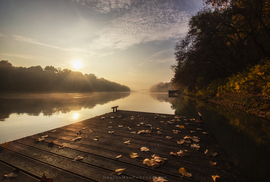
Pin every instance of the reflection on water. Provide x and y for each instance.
(245, 138)
(51, 103)
(27, 114)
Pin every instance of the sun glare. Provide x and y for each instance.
(76, 116)
(77, 64)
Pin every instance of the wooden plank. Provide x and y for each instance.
(21, 176)
(99, 162)
(38, 168)
(64, 163)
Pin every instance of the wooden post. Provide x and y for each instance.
(114, 108)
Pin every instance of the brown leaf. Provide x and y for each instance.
(210, 153)
(117, 157)
(78, 158)
(144, 149)
(184, 172)
(10, 175)
(5, 145)
(45, 179)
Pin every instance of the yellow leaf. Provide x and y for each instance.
(117, 157)
(133, 155)
(215, 177)
(144, 149)
(184, 172)
(119, 171)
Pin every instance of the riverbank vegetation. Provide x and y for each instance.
(225, 55)
(50, 79)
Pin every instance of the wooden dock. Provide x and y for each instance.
(93, 149)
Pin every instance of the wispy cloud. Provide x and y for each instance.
(33, 41)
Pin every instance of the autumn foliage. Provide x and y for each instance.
(226, 49)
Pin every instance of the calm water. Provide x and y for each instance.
(245, 138)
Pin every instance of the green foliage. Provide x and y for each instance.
(35, 79)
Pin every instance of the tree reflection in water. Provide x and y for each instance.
(50, 103)
(244, 137)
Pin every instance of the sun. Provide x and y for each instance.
(76, 64)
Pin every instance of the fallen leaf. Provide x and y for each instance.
(112, 117)
(78, 158)
(10, 175)
(210, 153)
(133, 155)
(141, 123)
(127, 142)
(109, 126)
(77, 138)
(162, 121)
(216, 177)
(169, 137)
(159, 179)
(192, 131)
(97, 138)
(120, 126)
(187, 137)
(45, 136)
(212, 163)
(111, 132)
(159, 132)
(84, 128)
(181, 141)
(184, 172)
(195, 146)
(45, 179)
(181, 153)
(134, 132)
(172, 153)
(205, 133)
(129, 128)
(39, 139)
(90, 131)
(5, 145)
(176, 131)
(199, 129)
(102, 118)
(119, 171)
(155, 161)
(182, 127)
(117, 157)
(195, 140)
(144, 149)
(53, 131)
(61, 146)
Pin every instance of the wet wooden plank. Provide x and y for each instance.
(99, 160)
(21, 176)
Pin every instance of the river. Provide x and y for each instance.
(245, 138)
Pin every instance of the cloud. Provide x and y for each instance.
(144, 21)
(33, 41)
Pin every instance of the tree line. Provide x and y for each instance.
(51, 79)
(230, 37)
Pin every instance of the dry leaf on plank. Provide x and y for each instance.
(184, 172)
(159, 179)
(144, 149)
(117, 157)
(133, 155)
(127, 142)
(119, 171)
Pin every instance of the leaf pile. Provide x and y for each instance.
(155, 161)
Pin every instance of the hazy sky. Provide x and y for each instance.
(127, 41)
